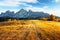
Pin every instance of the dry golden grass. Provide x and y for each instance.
(29, 30)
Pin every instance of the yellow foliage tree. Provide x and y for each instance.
(52, 17)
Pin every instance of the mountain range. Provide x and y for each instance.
(23, 14)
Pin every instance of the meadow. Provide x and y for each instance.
(29, 30)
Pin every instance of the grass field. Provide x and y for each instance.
(30, 30)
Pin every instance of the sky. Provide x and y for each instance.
(46, 6)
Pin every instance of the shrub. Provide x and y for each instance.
(45, 19)
(9, 20)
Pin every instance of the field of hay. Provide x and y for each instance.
(29, 30)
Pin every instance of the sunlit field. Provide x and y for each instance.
(29, 30)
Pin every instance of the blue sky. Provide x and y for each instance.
(47, 6)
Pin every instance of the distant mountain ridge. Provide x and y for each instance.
(23, 14)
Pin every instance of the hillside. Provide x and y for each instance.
(29, 30)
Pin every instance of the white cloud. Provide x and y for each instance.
(15, 2)
(34, 9)
(8, 3)
(15, 10)
(57, 11)
(2, 11)
(57, 0)
(29, 7)
(33, 1)
(45, 9)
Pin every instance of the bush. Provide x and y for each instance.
(9, 20)
(45, 19)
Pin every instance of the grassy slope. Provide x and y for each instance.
(30, 30)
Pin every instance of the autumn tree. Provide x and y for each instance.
(52, 17)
